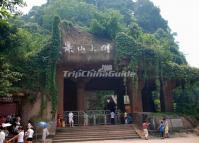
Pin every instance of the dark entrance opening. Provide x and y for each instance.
(109, 84)
(147, 96)
(70, 95)
(94, 84)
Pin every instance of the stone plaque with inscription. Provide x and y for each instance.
(177, 123)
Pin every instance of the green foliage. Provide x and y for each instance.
(125, 47)
(180, 72)
(8, 78)
(102, 97)
(106, 24)
(168, 41)
(7, 35)
(148, 16)
(187, 99)
(125, 7)
(53, 54)
(76, 11)
(9, 7)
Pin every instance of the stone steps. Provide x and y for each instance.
(91, 133)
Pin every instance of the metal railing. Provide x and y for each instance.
(94, 117)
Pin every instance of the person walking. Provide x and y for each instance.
(45, 134)
(112, 118)
(161, 129)
(126, 117)
(70, 118)
(145, 127)
(166, 129)
(85, 119)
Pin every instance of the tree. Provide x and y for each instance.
(7, 35)
(125, 7)
(7, 78)
(106, 24)
(148, 16)
(187, 99)
(9, 8)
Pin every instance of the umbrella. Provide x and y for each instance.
(6, 125)
(42, 124)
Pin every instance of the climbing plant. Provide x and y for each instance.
(51, 86)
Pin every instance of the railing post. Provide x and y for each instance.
(105, 119)
(94, 119)
(98, 117)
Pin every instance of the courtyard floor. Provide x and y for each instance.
(185, 139)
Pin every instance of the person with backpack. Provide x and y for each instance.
(161, 129)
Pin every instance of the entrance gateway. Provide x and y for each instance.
(87, 66)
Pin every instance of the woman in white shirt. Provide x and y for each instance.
(29, 134)
(20, 136)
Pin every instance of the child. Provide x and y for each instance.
(161, 128)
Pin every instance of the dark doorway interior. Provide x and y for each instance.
(94, 84)
(113, 84)
(70, 95)
(147, 97)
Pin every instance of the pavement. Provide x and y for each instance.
(186, 139)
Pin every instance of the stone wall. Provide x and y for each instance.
(32, 110)
(175, 122)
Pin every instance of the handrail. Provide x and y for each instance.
(94, 117)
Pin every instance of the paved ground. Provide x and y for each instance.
(187, 139)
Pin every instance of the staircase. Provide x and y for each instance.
(91, 133)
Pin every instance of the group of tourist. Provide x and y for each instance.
(85, 116)
(11, 126)
(126, 117)
(163, 129)
(71, 119)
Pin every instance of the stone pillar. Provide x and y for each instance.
(166, 97)
(134, 92)
(60, 84)
(81, 95)
(120, 99)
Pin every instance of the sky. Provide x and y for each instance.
(182, 17)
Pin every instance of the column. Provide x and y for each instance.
(80, 95)
(134, 92)
(60, 84)
(166, 97)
